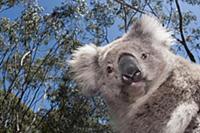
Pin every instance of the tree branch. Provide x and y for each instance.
(183, 41)
(129, 6)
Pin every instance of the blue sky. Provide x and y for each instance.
(48, 5)
(14, 12)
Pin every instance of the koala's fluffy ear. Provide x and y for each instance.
(150, 27)
(84, 67)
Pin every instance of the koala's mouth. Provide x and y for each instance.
(130, 72)
(133, 78)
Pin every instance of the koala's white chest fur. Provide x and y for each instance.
(181, 117)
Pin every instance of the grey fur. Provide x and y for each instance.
(168, 94)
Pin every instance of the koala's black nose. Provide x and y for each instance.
(129, 69)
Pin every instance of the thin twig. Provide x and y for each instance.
(183, 41)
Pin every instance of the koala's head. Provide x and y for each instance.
(128, 67)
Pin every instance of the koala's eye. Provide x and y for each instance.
(109, 69)
(144, 56)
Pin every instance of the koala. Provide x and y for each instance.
(147, 88)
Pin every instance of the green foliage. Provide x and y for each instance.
(14, 115)
(74, 113)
